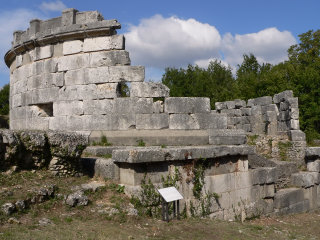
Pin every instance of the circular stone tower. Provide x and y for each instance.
(67, 73)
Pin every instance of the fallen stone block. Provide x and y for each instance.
(77, 199)
(187, 105)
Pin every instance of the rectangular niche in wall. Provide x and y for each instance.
(43, 110)
(123, 89)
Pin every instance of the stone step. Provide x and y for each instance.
(100, 167)
(227, 136)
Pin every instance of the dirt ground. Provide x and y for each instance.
(90, 222)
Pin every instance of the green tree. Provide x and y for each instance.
(4, 100)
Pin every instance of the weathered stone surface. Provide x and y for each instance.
(81, 92)
(294, 124)
(156, 154)
(148, 89)
(232, 112)
(43, 52)
(152, 121)
(64, 108)
(297, 135)
(186, 105)
(287, 197)
(261, 101)
(114, 42)
(280, 97)
(8, 208)
(305, 179)
(72, 62)
(111, 74)
(312, 152)
(77, 199)
(220, 105)
(72, 47)
(227, 137)
(313, 166)
(265, 175)
(109, 58)
(64, 144)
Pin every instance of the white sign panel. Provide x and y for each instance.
(170, 194)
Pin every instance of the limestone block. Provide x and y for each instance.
(293, 102)
(221, 183)
(19, 60)
(17, 100)
(108, 122)
(133, 105)
(232, 112)
(18, 113)
(245, 120)
(265, 175)
(58, 50)
(269, 108)
(58, 123)
(313, 166)
(183, 121)
(230, 104)
(44, 95)
(305, 179)
(107, 90)
(37, 68)
(50, 65)
(284, 106)
(240, 103)
(311, 195)
(19, 124)
(298, 207)
(147, 154)
(26, 59)
(152, 121)
(234, 120)
(284, 116)
(282, 126)
(227, 137)
(281, 97)
(72, 47)
(313, 152)
(45, 80)
(72, 62)
(256, 110)
(109, 58)
(220, 105)
(78, 92)
(113, 74)
(246, 111)
(97, 107)
(294, 113)
(247, 127)
(297, 135)
(19, 86)
(114, 42)
(257, 124)
(148, 89)
(106, 169)
(289, 196)
(294, 124)
(76, 77)
(64, 108)
(187, 105)
(261, 101)
(158, 107)
(43, 52)
(40, 123)
(242, 180)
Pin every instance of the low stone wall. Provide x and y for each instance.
(57, 151)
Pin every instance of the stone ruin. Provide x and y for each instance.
(67, 77)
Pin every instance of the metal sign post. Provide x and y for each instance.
(169, 195)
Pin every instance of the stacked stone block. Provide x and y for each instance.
(263, 115)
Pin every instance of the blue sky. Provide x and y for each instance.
(172, 33)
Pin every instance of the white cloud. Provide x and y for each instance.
(14, 20)
(269, 45)
(163, 42)
(160, 42)
(56, 6)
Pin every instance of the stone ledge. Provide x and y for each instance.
(158, 154)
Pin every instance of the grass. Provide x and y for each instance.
(88, 223)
